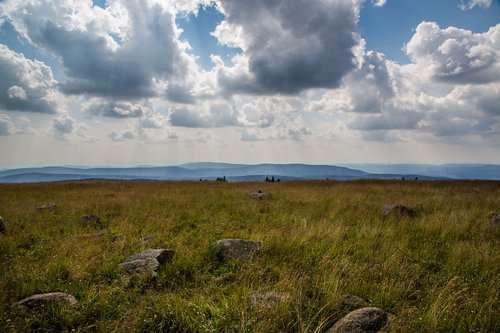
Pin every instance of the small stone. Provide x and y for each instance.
(259, 194)
(364, 320)
(93, 221)
(398, 209)
(117, 237)
(144, 240)
(40, 300)
(267, 300)
(94, 235)
(148, 261)
(3, 226)
(237, 248)
(49, 206)
(351, 302)
(495, 219)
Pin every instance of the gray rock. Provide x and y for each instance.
(41, 300)
(267, 300)
(144, 240)
(49, 206)
(351, 302)
(364, 320)
(259, 194)
(94, 235)
(92, 221)
(237, 248)
(495, 219)
(116, 237)
(148, 261)
(398, 209)
(3, 226)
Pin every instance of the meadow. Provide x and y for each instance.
(436, 272)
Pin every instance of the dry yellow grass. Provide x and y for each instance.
(437, 272)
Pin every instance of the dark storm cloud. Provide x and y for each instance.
(292, 45)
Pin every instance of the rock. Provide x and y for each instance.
(237, 248)
(495, 219)
(93, 221)
(267, 300)
(351, 302)
(50, 206)
(116, 237)
(364, 320)
(391, 320)
(148, 261)
(259, 194)
(94, 235)
(40, 300)
(398, 209)
(3, 226)
(144, 240)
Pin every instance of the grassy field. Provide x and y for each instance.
(437, 272)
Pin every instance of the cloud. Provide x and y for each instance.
(289, 45)
(369, 86)
(121, 136)
(379, 3)
(26, 85)
(63, 125)
(455, 55)
(6, 125)
(115, 109)
(214, 115)
(125, 50)
(469, 4)
(387, 121)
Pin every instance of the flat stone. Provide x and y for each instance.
(267, 300)
(49, 206)
(364, 320)
(148, 261)
(259, 194)
(351, 302)
(237, 248)
(41, 300)
(94, 235)
(398, 209)
(3, 226)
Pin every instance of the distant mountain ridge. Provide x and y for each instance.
(250, 172)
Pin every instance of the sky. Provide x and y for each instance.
(157, 82)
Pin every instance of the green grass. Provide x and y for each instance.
(438, 272)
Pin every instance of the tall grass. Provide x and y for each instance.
(438, 272)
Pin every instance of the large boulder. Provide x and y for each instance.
(3, 226)
(41, 300)
(148, 261)
(364, 320)
(398, 209)
(236, 248)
